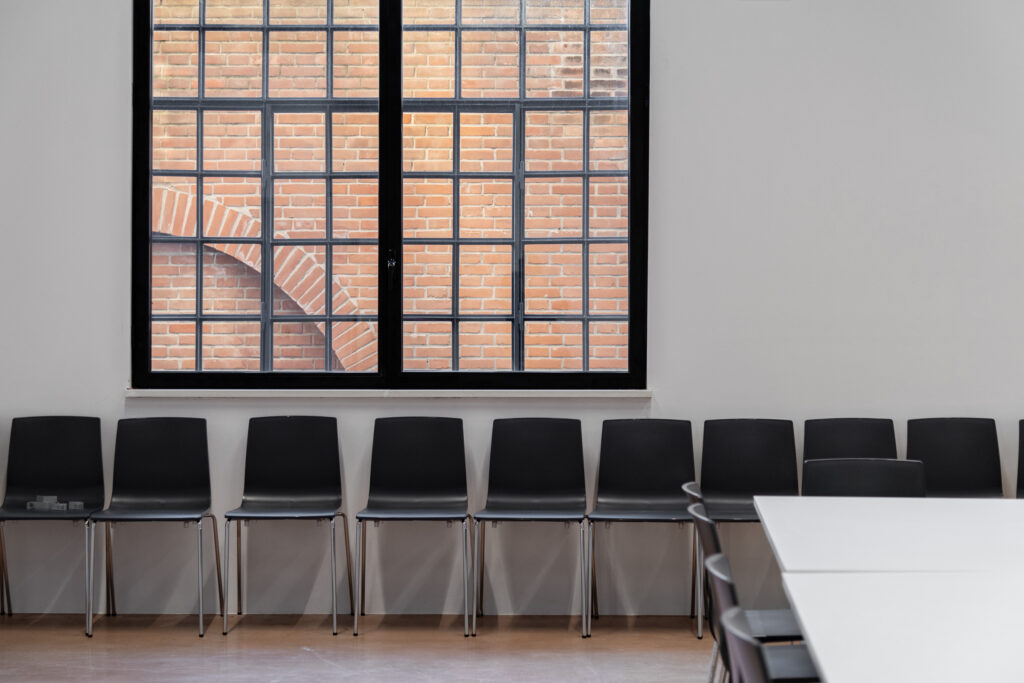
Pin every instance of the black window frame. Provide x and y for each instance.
(390, 374)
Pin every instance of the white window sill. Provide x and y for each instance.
(618, 394)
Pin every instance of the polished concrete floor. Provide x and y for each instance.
(391, 648)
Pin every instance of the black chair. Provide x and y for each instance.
(752, 662)
(292, 471)
(741, 459)
(536, 475)
(417, 473)
(960, 456)
(52, 456)
(162, 474)
(849, 437)
(864, 477)
(768, 625)
(691, 490)
(1020, 459)
(642, 467)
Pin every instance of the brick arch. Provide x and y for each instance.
(296, 270)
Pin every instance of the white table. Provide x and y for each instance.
(879, 627)
(893, 534)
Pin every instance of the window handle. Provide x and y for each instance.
(392, 266)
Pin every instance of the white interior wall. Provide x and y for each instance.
(837, 195)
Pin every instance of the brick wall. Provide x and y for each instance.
(297, 66)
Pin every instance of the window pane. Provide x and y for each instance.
(427, 345)
(354, 206)
(354, 346)
(554, 64)
(298, 64)
(298, 11)
(299, 346)
(174, 140)
(554, 11)
(553, 346)
(231, 141)
(174, 206)
(175, 63)
(300, 209)
(554, 278)
(231, 207)
(427, 277)
(609, 140)
(427, 142)
(609, 346)
(355, 11)
(356, 64)
(485, 279)
(554, 207)
(230, 345)
(176, 12)
(354, 279)
(485, 209)
(299, 143)
(609, 207)
(428, 64)
(234, 11)
(490, 11)
(485, 345)
(428, 11)
(231, 280)
(609, 11)
(300, 277)
(490, 64)
(608, 273)
(485, 143)
(554, 141)
(427, 207)
(354, 137)
(234, 64)
(609, 64)
(173, 344)
(173, 279)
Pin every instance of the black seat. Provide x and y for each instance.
(767, 625)
(960, 456)
(864, 477)
(162, 474)
(643, 465)
(536, 475)
(417, 473)
(57, 456)
(849, 437)
(752, 662)
(744, 458)
(292, 471)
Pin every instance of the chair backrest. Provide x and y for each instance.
(960, 455)
(417, 459)
(55, 455)
(161, 459)
(292, 457)
(864, 477)
(537, 458)
(1020, 459)
(749, 457)
(693, 493)
(849, 437)
(746, 658)
(723, 598)
(645, 458)
(707, 532)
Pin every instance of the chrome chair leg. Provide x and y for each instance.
(5, 579)
(357, 608)
(199, 557)
(477, 566)
(362, 580)
(348, 564)
(227, 571)
(216, 557)
(700, 593)
(583, 577)
(693, 573)
(334, 581)
(88, 583)
(238, 555)
(713, 669)
(109, 549)
(481, 539)
(593, 578)
(465, 577)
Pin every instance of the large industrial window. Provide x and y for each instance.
(390, 193)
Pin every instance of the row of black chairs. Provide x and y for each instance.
(292, 470)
